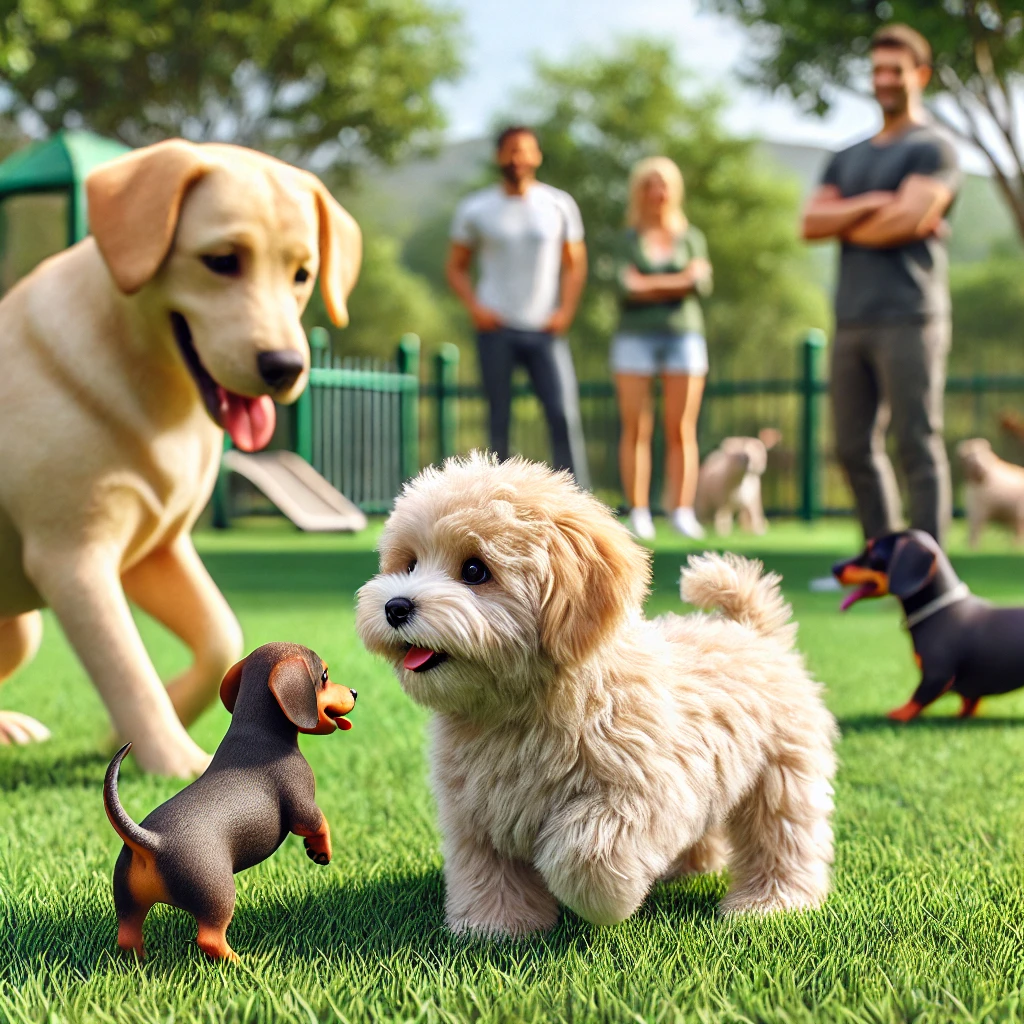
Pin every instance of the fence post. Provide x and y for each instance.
(408, 360)
(446, 370)
(812, 350)
(221, 498)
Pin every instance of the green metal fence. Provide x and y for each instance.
(369, 425)
(357, 423)
(803, 478)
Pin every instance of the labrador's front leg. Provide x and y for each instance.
(173, 586)
(82, 587)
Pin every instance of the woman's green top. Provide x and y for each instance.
(677, 316)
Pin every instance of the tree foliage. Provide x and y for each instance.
(978, 45)
(596, 116)
(388, 301)
(326, 81)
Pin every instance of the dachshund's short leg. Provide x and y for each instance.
(931, 688)
(316, 841)
(173, 586)
(213, 940)
(129, 932)
(968, 707)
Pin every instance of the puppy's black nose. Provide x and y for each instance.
(398, 611)
(354, 694)
(280, 369)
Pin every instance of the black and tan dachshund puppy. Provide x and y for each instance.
(961, 643)
(257, 789)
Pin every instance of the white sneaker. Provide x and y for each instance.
(684, 521)
(641, 524)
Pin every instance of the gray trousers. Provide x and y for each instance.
(894, 373)
(548, 362)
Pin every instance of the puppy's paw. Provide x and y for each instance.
(905, 713)
(772, 899)
(316, 852)
(512, 915)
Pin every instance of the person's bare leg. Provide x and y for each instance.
(683, 394)
(637, 415)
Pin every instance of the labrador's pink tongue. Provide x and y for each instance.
(417, 656)
(249, 421)
(864, 590)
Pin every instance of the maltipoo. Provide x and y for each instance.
(581, 752)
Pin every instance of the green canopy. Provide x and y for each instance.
(58, 164)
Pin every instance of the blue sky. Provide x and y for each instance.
(504, 35)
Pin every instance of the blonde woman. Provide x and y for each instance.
(662, 272)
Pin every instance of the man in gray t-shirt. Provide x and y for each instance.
(527, 238)
(885, 199)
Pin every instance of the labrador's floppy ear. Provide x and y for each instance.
(914, 564)
(597, 575)
(292, 683)
(341, 252)
(229, 687)
(134, 203)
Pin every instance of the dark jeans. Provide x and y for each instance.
(548, 362)
(897, 373)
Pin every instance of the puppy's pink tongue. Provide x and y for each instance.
(249, 421)
(417, 656)
(864, 590)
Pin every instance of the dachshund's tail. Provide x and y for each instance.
(140, 839)
(741, 590)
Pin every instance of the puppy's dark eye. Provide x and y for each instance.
(323, 678)
(474, 572)
(226, 264)
(301, 275)
(411, 566)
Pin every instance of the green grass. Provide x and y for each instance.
(926, 922)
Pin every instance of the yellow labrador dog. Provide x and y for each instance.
(123, 359)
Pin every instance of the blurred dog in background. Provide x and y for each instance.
(994, 489)
(729, 485)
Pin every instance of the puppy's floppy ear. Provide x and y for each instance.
(134, 203)
(597, 575)
(341, 252)
(292, 683)
(914, 563)
(229, 687)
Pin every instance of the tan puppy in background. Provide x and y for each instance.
(994, 489)
(580, 752)
(123, 358)
(729, 483)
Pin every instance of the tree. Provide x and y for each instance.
(388, 301)
(595, 117)
(314, 81)
(978, 45)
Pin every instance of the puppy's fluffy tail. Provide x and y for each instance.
(741, 590)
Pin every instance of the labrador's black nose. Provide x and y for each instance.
(280, 369)
(398, 611)
(354, 694)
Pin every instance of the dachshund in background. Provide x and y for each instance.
(961, 643)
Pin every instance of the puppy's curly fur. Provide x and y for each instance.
(581, 752)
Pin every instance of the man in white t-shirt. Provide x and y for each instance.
(528, 241)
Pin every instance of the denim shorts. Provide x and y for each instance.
(650, 354)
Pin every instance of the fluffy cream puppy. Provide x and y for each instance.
(580, 752)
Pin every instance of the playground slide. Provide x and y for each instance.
(298, 490)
